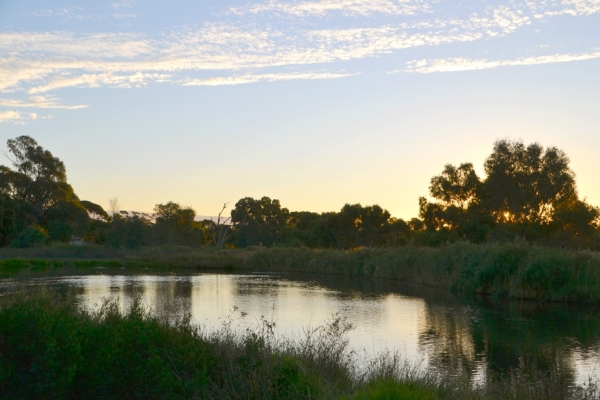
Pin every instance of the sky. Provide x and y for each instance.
(316, 103)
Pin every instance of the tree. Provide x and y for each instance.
(66, 219)
(129, 231)
(356, 226)
(575, 224)
(525, 185)
(528, 192)
(220, 230)
(37, 193)
(114, 206)
(8, 220)
(38, 178)
(175, 224)
(456, 186)
(259, 221)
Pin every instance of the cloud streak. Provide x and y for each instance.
(346, 7)
(464, 64)
(38, 102)
(244, 79)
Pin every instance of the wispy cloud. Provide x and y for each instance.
(124, 4)
(566, 7)
(38, 102)
(230, 53)
(39, 62)
(243, 79)
(320, 8)
(127, 81)
(465, 64)
(65, 13)
(346, 7)
(34, 45)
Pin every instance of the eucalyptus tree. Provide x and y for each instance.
(527, 184)
(529, 191)
(39, 192)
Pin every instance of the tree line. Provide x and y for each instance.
(528, 194)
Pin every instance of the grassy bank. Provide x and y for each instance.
(46, 258)
(51, 349)
(508, 270)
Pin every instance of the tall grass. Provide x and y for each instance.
(507, 270)
(50, 348)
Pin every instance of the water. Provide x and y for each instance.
(430, 327)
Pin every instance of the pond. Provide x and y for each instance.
(430, 327)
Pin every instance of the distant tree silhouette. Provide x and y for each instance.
(175, 224)
(259, 221)
(529, 192)
(527, 184)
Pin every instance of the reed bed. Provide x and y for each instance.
(508, 270)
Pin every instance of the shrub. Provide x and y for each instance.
(31, 236)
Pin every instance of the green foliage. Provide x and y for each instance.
(32, 236)
(64, 219)
(95, 211)
(259, 222)
(8, 219)
(36, 192)
(529, 193)
(38, 178)
(175, 225)
(391, 390)
(128, 231)
(508, 270)
(12, 265)
(457, 186)
(50, 349)
(526, 184)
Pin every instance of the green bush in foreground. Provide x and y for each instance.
(50, 349)
(390, 390)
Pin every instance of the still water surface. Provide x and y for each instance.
(428, 326)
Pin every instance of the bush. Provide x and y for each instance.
(31, 236)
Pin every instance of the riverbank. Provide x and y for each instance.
(508, 270)
(50, 348)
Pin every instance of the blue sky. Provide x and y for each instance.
(314, 102)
